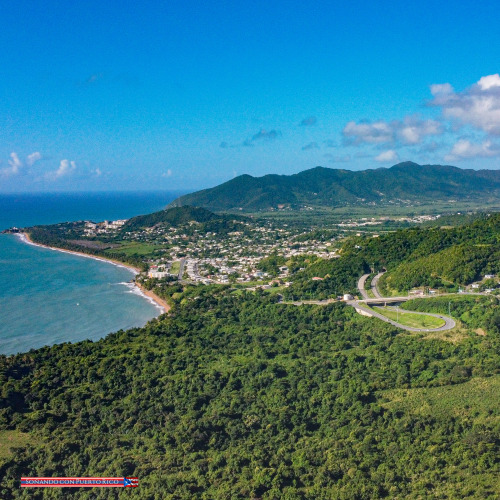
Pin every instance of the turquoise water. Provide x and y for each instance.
(47, 296)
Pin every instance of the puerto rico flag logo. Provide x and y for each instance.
(130, 482)
(79, 482)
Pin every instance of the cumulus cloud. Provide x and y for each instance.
(307, 122)
(467, 149)
(168, 173)
(477, 106)
(15, 163)
(311, 145)
(15, 166)
(366, 132)
(97, 172)
(33, 158)
(266, 135)
(441, 89)
(411, 130)
(66, 167)
(389, 155)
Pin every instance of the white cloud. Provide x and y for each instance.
(478, 105)
(168, 173)
(65, 168)
(441, 88)
(487, 82)
(467, 149)
(15, 166)
(33, 158)
(373, 133)
(97, 172)
(411, 130)
(389, 155)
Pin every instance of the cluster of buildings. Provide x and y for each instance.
(215, 257)
(105, 227)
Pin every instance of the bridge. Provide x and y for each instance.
(363, 306)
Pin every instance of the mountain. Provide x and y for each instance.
(173, 217)
(403, 183)
(185, 215)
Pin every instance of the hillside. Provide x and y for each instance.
(177, 216)
(241, 397)
(435, 257)
(235, 394)
(405, 183)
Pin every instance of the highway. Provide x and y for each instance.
(361, 286)
(374, 284)
(362, 307)
(449, 322)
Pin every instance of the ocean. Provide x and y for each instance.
(49, 297)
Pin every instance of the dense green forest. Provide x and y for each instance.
(237, 396)
(182, 215)
(444, 258)
(406, 184)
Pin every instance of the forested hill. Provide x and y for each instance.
(182, 215)
(325, 187)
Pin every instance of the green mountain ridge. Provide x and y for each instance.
(177, 216)
(405, 183)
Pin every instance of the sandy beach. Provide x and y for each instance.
(165, 307)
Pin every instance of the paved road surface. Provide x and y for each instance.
(361, 286)
(181, 270)
(448, 325)
(374, 284)
(362, 306)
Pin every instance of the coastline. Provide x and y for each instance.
(147, 294)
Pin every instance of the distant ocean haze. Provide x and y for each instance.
(47, 296)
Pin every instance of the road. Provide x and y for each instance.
(449, 322)
(374, 285)
(181, 269)
(362, 307)
(361, 286)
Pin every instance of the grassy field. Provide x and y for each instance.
(411, 319)
(11, 439)
(176, 267)
(133, 247)
(477, 399)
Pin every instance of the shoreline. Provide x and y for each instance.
(147, 294)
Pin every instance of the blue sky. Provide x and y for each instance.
(184, 95)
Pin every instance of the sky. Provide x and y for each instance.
(185, 95)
